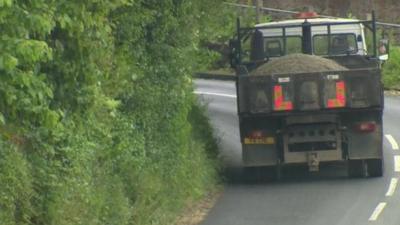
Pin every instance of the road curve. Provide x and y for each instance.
(300, 198)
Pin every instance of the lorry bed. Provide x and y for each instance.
(353, 89)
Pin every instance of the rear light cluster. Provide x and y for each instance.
(365, 127)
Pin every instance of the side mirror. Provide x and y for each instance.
(383, 49)
(257, 47)
(233, 53)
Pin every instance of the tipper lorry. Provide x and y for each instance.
(310, 118)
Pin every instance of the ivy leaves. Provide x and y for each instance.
(6, 3)
(94, 94)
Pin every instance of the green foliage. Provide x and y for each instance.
(16, 189)
(391, 68)
(217, 25)
(98, 123)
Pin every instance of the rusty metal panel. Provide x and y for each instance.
(259, 155)
(255, 94)
(353, 89)
(308, 91)
(363, 145)
(364, 88)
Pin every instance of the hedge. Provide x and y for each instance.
(98, 123)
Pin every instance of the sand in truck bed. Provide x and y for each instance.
(297, 63)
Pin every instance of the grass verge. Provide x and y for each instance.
(391, 70)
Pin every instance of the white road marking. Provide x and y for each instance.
(378, 210)
(392, 187)
(213, 93)
(397, 163)
(392, 141)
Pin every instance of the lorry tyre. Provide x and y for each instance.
(251, 174)
(278, 172)
(271, 173)
(261, 174)
(356, 168)
(375, 167)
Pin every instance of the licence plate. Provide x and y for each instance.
(258, 141)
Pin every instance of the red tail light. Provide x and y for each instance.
(279, 103)
(365, 127)
(256, 134)
(340, 100)
(259, 137)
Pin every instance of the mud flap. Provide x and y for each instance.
(313, 162)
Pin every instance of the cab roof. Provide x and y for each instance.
(310, 20)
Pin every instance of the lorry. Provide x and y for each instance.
(311, 118)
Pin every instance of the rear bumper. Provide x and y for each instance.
(259, 155)
(349, 144)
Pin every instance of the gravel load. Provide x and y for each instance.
(297, 63)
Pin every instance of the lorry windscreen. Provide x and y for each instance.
(339, 44)
(275, 46)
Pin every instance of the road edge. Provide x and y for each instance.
(197, 211)
(214, 76)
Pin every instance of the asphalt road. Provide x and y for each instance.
(328, 197)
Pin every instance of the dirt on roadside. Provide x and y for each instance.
(198, 211)
(392, 92)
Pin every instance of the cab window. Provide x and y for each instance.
(340, 44)
(274, 46)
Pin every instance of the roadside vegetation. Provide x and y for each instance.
(391, 69)
(98, 123)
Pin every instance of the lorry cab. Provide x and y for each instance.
(304, 116)
(345, 39)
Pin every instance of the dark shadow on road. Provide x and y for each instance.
(237, 175)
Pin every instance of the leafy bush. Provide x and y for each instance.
(98, 123)
(215, 31)
(391, 69)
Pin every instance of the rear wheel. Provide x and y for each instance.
(375, 167)
(356, 168)
(251, 174)
(272, 173)
(261, 174)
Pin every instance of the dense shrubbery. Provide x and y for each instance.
(391, 68)
(98, 123)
